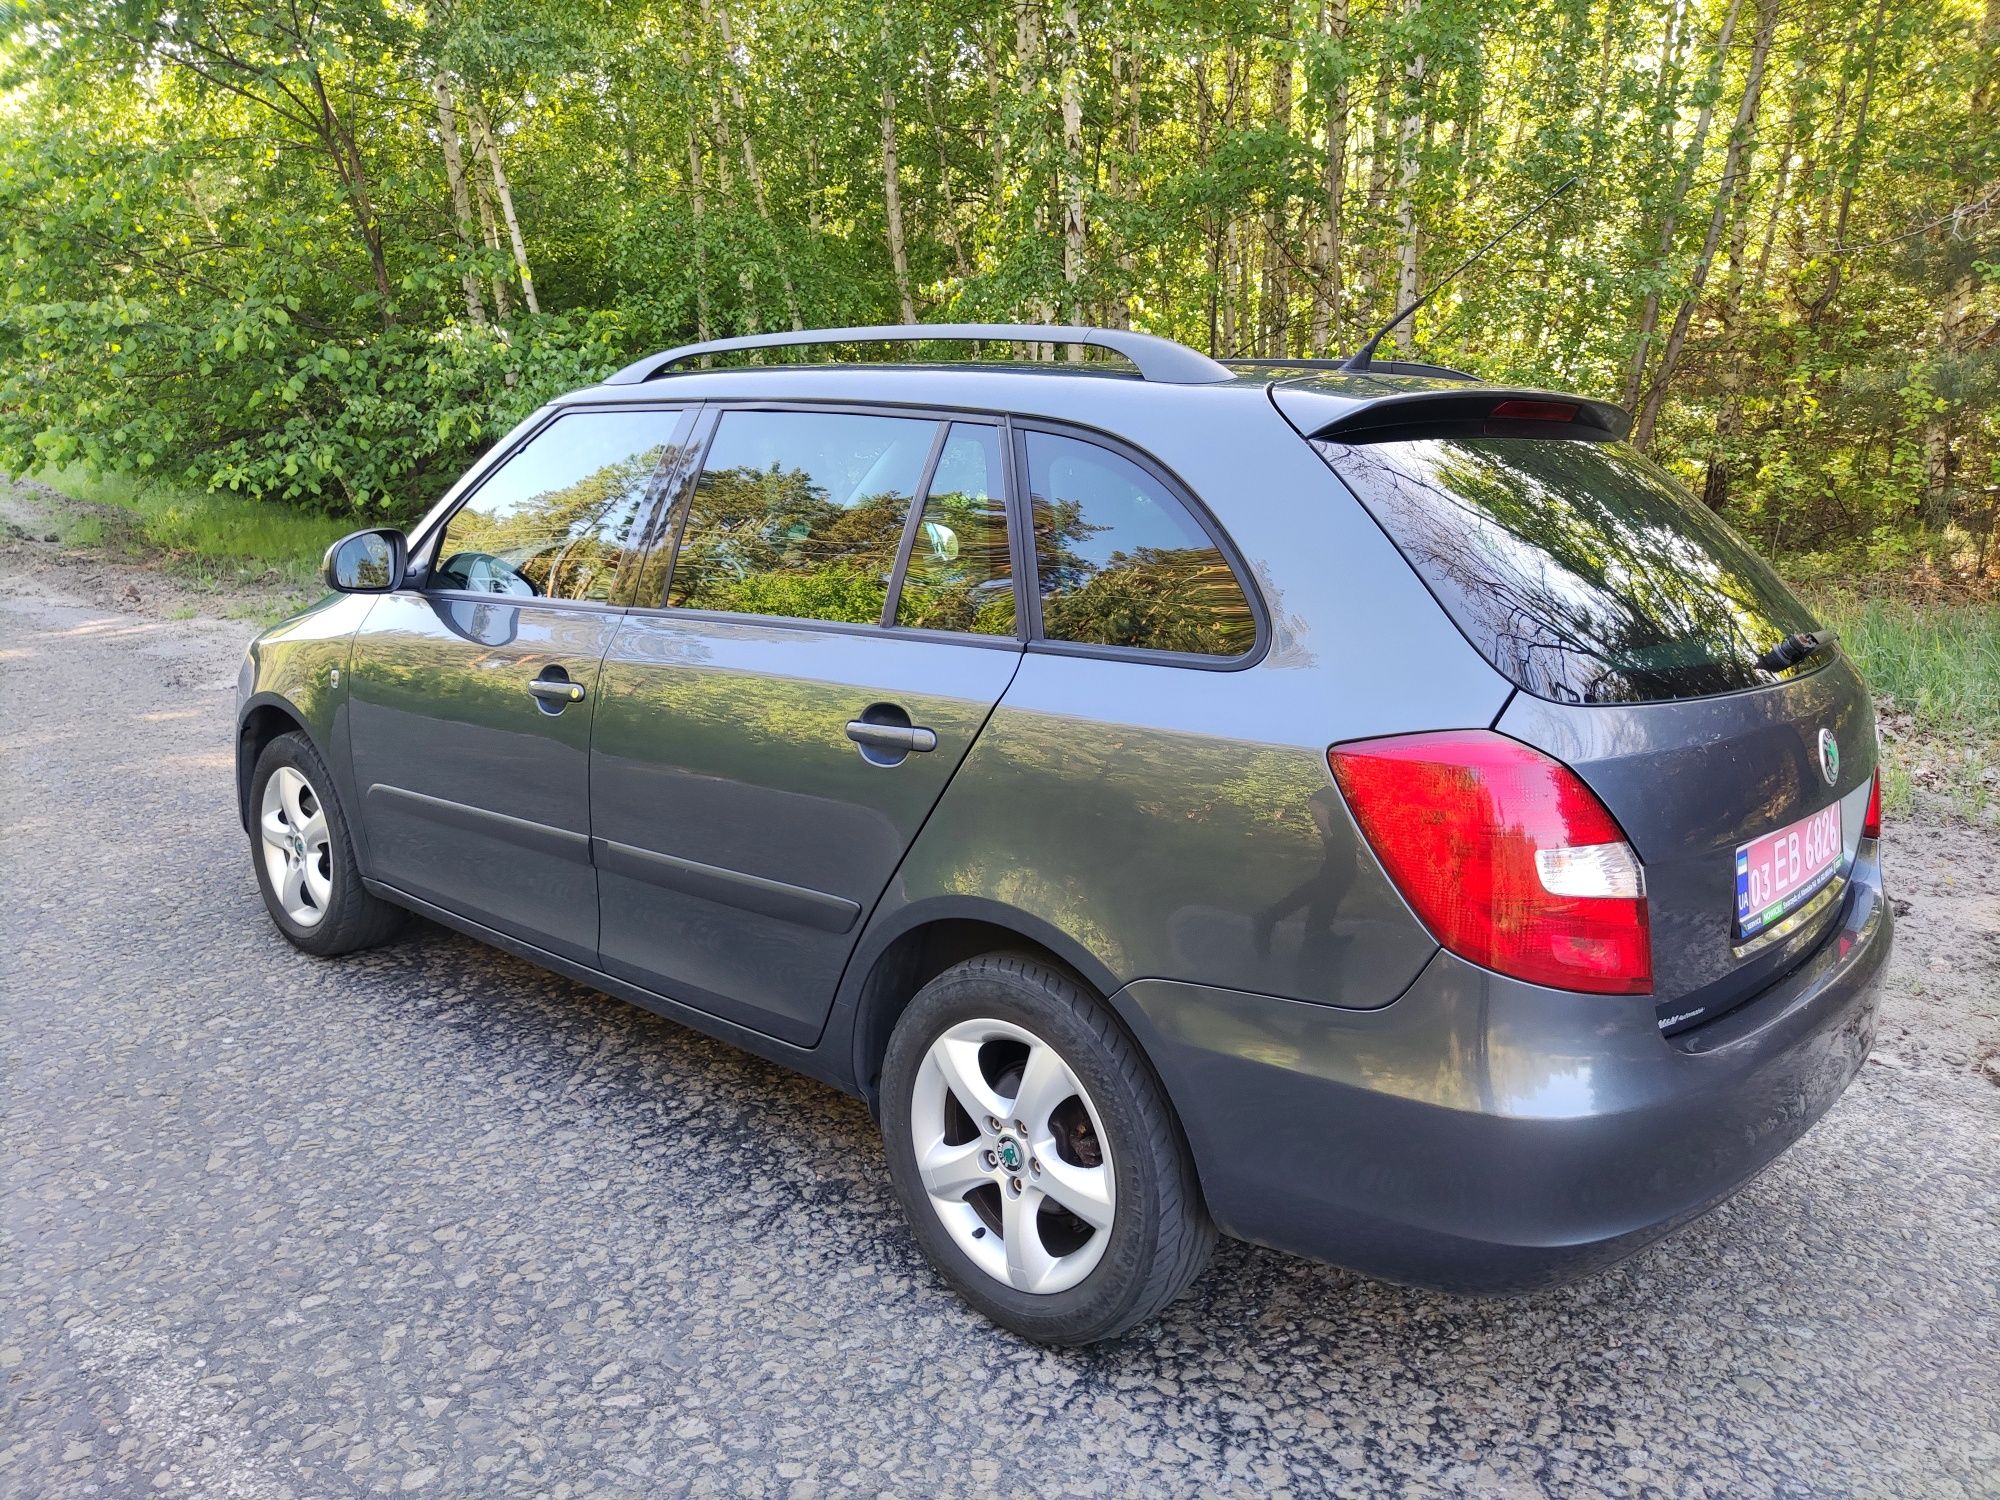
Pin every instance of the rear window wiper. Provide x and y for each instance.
(1794, 649)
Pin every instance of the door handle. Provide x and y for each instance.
(556, 690)
(898, 739)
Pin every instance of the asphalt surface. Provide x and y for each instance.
(430, 1221)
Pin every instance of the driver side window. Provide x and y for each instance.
(551, 522)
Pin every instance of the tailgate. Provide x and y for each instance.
(1694, 781)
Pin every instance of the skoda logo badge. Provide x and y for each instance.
(1829, 757)
(1010, 1154)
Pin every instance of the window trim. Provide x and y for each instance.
(1042, 644)
(425, 553)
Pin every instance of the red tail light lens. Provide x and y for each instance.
(1505, 855)
(1871, 821)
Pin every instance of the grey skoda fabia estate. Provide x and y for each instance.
(1367, 812)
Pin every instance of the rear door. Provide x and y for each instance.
(840, 621)
(1640, 631)
(472, 691)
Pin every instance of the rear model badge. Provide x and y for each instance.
(1829, 757)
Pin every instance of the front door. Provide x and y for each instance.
(472, 692)
(839, 624)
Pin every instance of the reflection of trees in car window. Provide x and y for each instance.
(959, 576)
(799, 514)
(1120, 562)
(553, 520)
(1583, 572)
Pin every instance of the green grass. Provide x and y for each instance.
(211, 537)
(1937, 663)
(1934, 669)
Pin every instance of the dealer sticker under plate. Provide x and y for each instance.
(1780, 872)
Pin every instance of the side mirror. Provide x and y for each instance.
(365, 562)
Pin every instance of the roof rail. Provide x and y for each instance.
(1156, 359)
(1375, 367)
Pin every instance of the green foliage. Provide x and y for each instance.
(235, 252)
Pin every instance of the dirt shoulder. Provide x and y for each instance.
(57, 547)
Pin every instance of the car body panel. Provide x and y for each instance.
(1101, 801)
(1691, 780)
(476, 798)
(1484, 1135)
(742, 837)
(297, 667)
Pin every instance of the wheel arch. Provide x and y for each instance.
(902, 955)
(262, 720)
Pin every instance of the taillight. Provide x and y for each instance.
(1505, 855)
(1871, 821)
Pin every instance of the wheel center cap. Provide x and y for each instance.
(1010, 1153)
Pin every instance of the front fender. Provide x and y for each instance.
(297, 678)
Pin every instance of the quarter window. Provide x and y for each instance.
(552, 521)
(800, 514)
(1120, 562)
(959, 576)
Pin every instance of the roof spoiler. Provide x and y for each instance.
(1492, 411)
(1156, 359)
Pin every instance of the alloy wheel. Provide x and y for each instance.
(1013, 1156)
(297, 858)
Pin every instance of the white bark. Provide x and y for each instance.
(505, 195)
(461, 197)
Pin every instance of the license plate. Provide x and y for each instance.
(1780, 872)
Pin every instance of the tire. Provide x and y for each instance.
(329, 912)
(1086, 1284)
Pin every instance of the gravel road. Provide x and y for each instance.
(430, 1221)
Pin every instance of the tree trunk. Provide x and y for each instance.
(698, 197)
(489, 230)
(461, 198)
(1735, 164)
(1326, 287)
(751, 170)
(505, 195)
(1406, 202)
(340, 146)
(893, 197)
(1277, 215)
(1072, 170)
(1649, 312)
(1378, 181)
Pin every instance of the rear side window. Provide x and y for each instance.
(1120, 561)
(1578, 569)
(958, 576)
(800, 514)
(552, 521)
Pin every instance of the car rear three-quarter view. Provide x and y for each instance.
(1368, 812)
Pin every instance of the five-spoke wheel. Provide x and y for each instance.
(296, 856)
(1011, 1151)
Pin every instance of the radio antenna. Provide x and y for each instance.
(1364, 358)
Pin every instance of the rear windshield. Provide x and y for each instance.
(1580, 570)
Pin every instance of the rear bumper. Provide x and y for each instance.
(1483, 1135)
